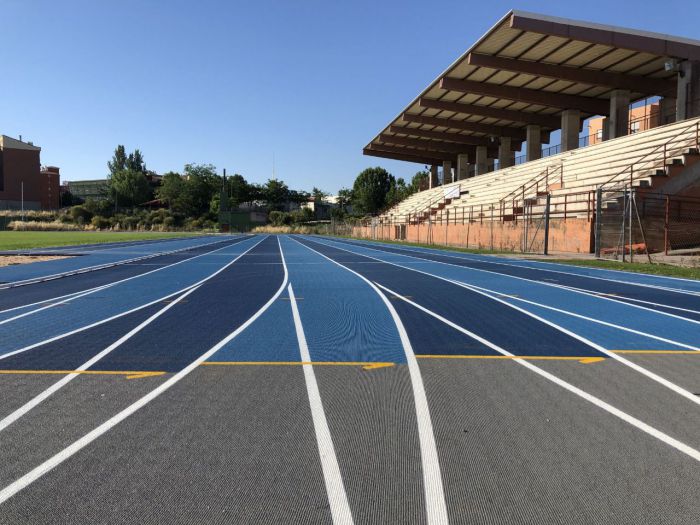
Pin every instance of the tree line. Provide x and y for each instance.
(196, 193)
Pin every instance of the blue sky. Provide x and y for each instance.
(232, 83)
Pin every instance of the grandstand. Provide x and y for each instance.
(527, 77)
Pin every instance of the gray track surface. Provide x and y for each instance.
(237, 443)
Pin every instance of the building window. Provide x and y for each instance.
(634, 126)
(599, 135)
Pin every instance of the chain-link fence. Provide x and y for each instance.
(637, 223)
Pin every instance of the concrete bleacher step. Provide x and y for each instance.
(574, 172)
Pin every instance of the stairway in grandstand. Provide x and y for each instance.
(648, 161)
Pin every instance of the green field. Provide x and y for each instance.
(655, 269)
(12, 240)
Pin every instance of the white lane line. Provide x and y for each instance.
(337, 497)
(634, 366)
(122, 314)
(574, 274)
(75, 295)
(436, 508)
(48, 465)
(43, 396)
(648, 373)
(678, 445)
(585, 317)
(87, 269)
(588, 293)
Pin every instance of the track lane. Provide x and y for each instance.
(227, 319)
(20, 299)
(679, 417)
(112, 302)
(679, 303)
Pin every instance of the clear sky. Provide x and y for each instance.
(232, 83)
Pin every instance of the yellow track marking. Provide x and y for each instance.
(584, 360)
(658, 352)
(129, 374)
(364, 365)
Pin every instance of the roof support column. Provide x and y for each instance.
(462, 166)
(506, 157)
(433, 180)
(619, 113)
(570, 124)
(447, 172)
(481, 160)
(688, 97)
(667, 108)
(533, 146)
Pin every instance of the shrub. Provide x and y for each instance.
(41, 226)
(80, 214)
(100, 223)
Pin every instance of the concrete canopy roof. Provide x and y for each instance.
(527, 69)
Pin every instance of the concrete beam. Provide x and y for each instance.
(546, 121)
(418, 158)
(431, 145)
(457, 138)
(590, 105)
(649, 86)
(496, 131)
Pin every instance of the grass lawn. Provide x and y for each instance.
(433, 246)
(12, 240)
(655, 269)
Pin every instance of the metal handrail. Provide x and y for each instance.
(656, 150)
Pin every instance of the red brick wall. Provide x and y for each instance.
(24, 166)
(571, 235)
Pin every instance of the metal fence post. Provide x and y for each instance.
(666, 227)
(546, 225)
(598, 210)
(632, 203)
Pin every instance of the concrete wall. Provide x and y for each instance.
(571, 235)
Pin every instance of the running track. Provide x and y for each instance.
(171, 382)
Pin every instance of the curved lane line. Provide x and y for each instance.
(76, 295)
(29, 405)
(122, 314)
(436, 507)
(678, 445)
(48, 465)
(648, 373)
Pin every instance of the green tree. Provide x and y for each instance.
(201, 184)
(171, 189)
(239, 190)
(135, 161)
(129, 187)
(276, 193)
(398, 192)
(370, 190)
(319, 195)
(344, 198)
(118, 162)
(419, 181)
